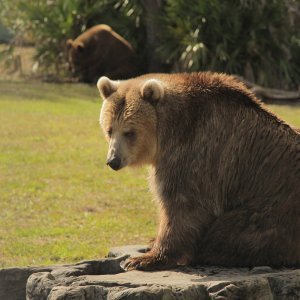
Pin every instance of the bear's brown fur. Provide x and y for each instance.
(225, 170)
(100, 51)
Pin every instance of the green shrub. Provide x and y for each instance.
(255, 39)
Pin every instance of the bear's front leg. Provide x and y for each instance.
(172, 246)
(158, 258)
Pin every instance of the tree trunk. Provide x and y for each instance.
(152, 9)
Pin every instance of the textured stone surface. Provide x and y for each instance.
(105, 279)
(183, 283)
(13, 281)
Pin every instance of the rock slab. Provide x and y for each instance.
(105, 279)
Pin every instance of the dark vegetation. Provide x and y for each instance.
(258, 40)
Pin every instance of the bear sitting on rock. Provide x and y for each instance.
(100, 51)
(225, 171)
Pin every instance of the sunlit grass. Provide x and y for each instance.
(58, 200)
(290, 114)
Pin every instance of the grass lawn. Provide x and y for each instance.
(59, 202)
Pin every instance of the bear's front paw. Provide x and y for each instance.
(147, 262)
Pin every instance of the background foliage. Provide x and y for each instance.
(257, 39)
(49, 23)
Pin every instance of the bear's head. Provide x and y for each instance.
(129, 120)
(75, 53)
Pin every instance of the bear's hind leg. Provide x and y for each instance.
(243, 239)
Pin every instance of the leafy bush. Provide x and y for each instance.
(251, 38)
(257, 39)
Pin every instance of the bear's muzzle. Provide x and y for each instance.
(114, 163)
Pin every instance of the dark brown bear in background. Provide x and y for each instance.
(225, 170)
(100, 51)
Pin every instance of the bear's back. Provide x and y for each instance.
(103, 35)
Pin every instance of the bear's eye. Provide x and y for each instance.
(109, 132)
(129, 134)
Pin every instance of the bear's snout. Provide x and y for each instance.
(114, 163)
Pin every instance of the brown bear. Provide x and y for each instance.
(225, 171)
(100, 51)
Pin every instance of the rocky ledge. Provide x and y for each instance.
(105, 279)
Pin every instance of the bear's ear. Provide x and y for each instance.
(106, 86)
(152, 90)
(69, 44)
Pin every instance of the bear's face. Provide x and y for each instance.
(75, 54)
(129, 120)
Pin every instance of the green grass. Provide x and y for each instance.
(290, 114)
(58, 200)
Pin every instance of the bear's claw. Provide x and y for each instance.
(146, 263)
(141, 263)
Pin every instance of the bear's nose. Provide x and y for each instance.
(114, 163)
